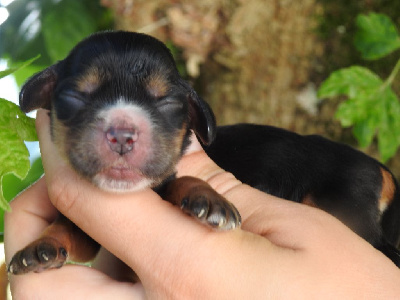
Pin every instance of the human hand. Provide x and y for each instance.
(31, 213)
(284, 250)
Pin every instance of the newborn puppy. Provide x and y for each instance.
(121, 116)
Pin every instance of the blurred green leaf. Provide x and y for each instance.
(364, 132)
(15, 128)
(358, 111)
(66, 25)
(21, 36)
(372, 108)
(376, 36)
(389, 129)
(349, 81)
(49, 27)
(21, 75)
(13, 186)
(14, 69)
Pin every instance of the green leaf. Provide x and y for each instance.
(13, 186)
(372, 108)
(357, 112)
(23, 32)
(64, 26)
(389, 128)
(349, 112)
(364, 132)
(21, 66)
(15, 128)
(376, 36)
(349, 81)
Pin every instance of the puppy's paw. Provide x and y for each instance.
(42, 254)
(211, 208)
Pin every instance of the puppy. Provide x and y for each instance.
(121, 116)
(348, 184)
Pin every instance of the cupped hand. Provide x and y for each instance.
(284, 250)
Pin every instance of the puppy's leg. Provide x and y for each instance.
(60, 241)
(197, 198)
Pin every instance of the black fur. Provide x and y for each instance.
(339, 179)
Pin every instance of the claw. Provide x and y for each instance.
(211, 208)
(40, 255)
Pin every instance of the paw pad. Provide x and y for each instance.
(40, 255)
(211, 208)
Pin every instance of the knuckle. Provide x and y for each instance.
(63, 196)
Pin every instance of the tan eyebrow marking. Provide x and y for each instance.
(157, 85)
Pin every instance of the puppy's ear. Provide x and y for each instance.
(202, 119)
(37, 92)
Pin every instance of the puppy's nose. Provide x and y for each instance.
(121, 140)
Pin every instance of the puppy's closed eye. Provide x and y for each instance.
(68, 103)
(170, 105)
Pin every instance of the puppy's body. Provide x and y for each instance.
(315, 171)
(122, 116)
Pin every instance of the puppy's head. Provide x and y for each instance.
(120, 112)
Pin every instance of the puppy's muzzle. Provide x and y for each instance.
(121, 140)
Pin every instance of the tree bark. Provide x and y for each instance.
(250, 59)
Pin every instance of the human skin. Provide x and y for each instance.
(284, 250)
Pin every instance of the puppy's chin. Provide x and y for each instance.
(121, 186)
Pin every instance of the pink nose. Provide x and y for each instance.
(121, 140)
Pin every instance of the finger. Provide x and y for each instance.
(31, 212)
(73, 282)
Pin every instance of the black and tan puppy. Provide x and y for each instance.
(121, 115)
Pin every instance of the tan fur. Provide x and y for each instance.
(307, 200)
(157, 85)
(90, 81)
(387, 192)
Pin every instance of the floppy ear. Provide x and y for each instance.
(201, 119)
(37, 92)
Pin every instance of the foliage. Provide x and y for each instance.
(15, 128)
(372, 108)
(51, 28)
(376, 37)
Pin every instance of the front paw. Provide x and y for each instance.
(42, 254)
(211, 208)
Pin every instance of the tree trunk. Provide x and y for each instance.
(250, 59)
